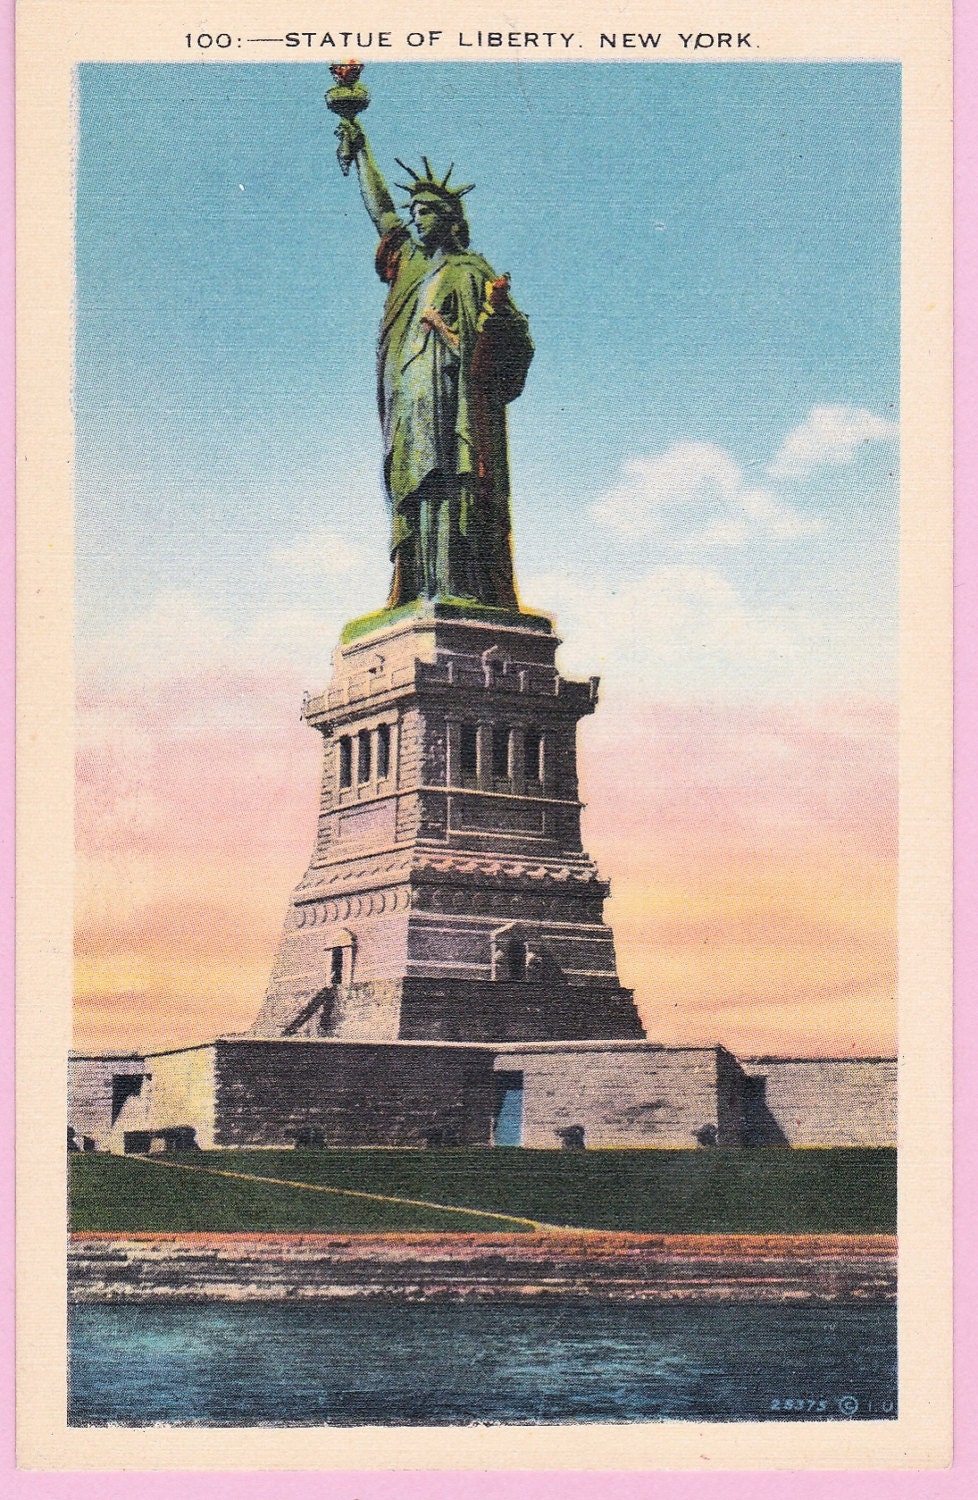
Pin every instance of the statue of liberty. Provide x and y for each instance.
(453, 352)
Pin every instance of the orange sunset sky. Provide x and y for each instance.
(751, 853)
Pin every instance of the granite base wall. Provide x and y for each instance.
(636, 1096)
(178, 1092)
(352, 1094)
(90, 1092)
(247, 1091)
(824, 1101)
(459, 1010)
(465, 1010)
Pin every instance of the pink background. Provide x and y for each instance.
(434, 1486)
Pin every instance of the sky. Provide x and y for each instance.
(705, 496)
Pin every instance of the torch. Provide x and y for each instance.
(347, 98)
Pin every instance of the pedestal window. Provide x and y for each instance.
(345, 746)
(363, 756)
(339, 960)
(533, 752)
(516, 959)
(500, 753)
(468, 750)
(383, 752)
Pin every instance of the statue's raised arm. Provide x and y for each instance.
(348, 98)
(373, 188)
(453, 351)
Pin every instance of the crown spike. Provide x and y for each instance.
(461, 192)
(410, 170)
(444, 181)
(427, 167)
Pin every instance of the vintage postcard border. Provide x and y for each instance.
(918, 1439)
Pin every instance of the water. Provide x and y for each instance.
(354, 1363)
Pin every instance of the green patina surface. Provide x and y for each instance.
(443, 609)
(453, 352)
(667, 1192)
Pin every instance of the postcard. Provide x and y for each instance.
(484, 577)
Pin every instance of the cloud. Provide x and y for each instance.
(681, 631)
(673, 613)
(684, 474)
(829, 437)
(698, 494)
(324, 553)
(177, 639)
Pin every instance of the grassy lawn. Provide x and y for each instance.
(124, 1194)
(677, 1192)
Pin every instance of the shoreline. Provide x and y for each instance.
(582, 1265)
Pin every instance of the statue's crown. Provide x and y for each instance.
(430, 186)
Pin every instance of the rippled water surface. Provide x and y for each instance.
(309, 1364)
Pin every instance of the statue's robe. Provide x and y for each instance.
(443, 413)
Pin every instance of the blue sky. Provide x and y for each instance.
(707, 256)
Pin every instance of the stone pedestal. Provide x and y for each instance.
(448, 897)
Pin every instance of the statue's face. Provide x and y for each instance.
(431, 221)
